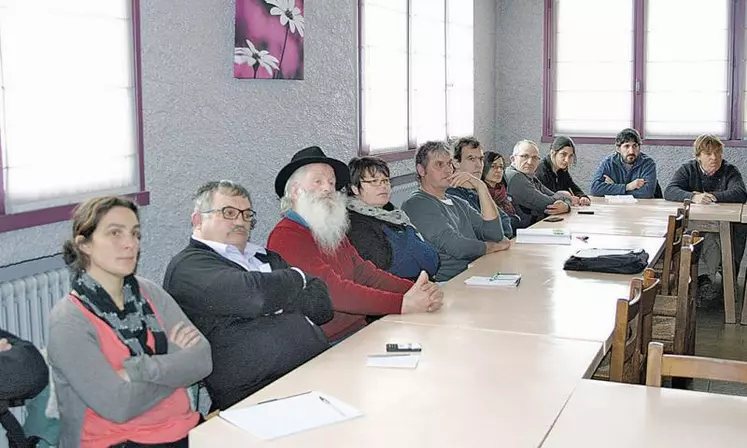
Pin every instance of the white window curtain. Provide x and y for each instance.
(67, 111)
(593, 87)
(686, 68)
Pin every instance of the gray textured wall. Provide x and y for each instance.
(519, 96)
(201, 123)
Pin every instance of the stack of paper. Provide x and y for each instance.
(594, 253)
(497, 279)
(284, 416)
(543, 236)
(620, 199)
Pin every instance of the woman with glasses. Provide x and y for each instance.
(122, 352)
(492, 175)
(381, 233)
(553, 170)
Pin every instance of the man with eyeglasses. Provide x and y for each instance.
(260, 315)
(532, 199)
(469, 161)
(627, 170)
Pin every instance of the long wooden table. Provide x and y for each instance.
(549, 300)
(471, 388)
(648, 217)
(623, 415)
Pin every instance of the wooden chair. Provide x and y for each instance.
(674, 314)
(633, 329)
(660, 365)
(676, 226)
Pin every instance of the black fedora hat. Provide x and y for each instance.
(307, 156)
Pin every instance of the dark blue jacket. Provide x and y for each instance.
(613, 166)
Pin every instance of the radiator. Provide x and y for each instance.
(402, 191)
(25, 304)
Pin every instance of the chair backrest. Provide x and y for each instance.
(682, 366)
(686, 211)
(687, 286)
(633, 327)
(675, 229)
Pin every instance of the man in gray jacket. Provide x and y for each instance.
(532, 199)
(458, 231)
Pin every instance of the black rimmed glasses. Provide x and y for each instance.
(231, 213)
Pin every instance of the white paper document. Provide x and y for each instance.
(393, 360)
(495, 280)
(543, 236)
(284, 416)
(620, 199)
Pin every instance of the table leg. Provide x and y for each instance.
(727, 268)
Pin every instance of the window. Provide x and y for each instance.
(661, 66)
(417, 80)
(69, 115)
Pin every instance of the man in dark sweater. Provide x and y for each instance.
(711, 179)
(260, 315)
(469, 158)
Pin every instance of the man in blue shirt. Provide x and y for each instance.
(627, 171)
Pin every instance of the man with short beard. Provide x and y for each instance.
(627, 170)
(259, 313)
(312, 236)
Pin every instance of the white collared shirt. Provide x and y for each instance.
(247, 260)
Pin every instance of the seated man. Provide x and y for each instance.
(259, 314)
(707, 179)
(532, 199)
(312, 235)
(458, 231)
(24, 374)
(469, 158)
(627, 171)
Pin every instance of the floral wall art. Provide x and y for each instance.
(269, 39)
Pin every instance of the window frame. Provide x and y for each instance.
(408, 153)
(735, 82)
(49, 215)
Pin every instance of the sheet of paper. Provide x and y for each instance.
(284, 416)
(620, 199)
(593, 253)
(496, 280)
(394, 360)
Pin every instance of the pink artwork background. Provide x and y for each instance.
(266, 32)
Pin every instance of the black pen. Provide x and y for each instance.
(329, 403)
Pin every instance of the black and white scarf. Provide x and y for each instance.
(130, 324)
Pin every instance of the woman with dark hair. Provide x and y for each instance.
(122, 352)
(379, 232)
(492, 175)
(553, 170)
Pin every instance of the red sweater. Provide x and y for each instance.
(357, 287)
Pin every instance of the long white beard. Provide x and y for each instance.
(327, 218)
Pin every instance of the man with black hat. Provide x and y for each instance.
(312, 236)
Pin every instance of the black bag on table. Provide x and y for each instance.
(631, 262)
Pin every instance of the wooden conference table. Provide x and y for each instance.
(648, 217)
(549, 300)
(624, 415)
(471, 388)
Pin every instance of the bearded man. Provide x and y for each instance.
(312, 236)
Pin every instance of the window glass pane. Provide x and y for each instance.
(593, 67)
(68, 105)
(460, 68)
(428, 64)
(686, 84)
(384, 75)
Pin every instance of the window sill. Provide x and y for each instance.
(391, 156)
(646, 141)
(51, 215)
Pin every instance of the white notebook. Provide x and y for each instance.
(288, 415)
(393, 360)
(543, 236)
